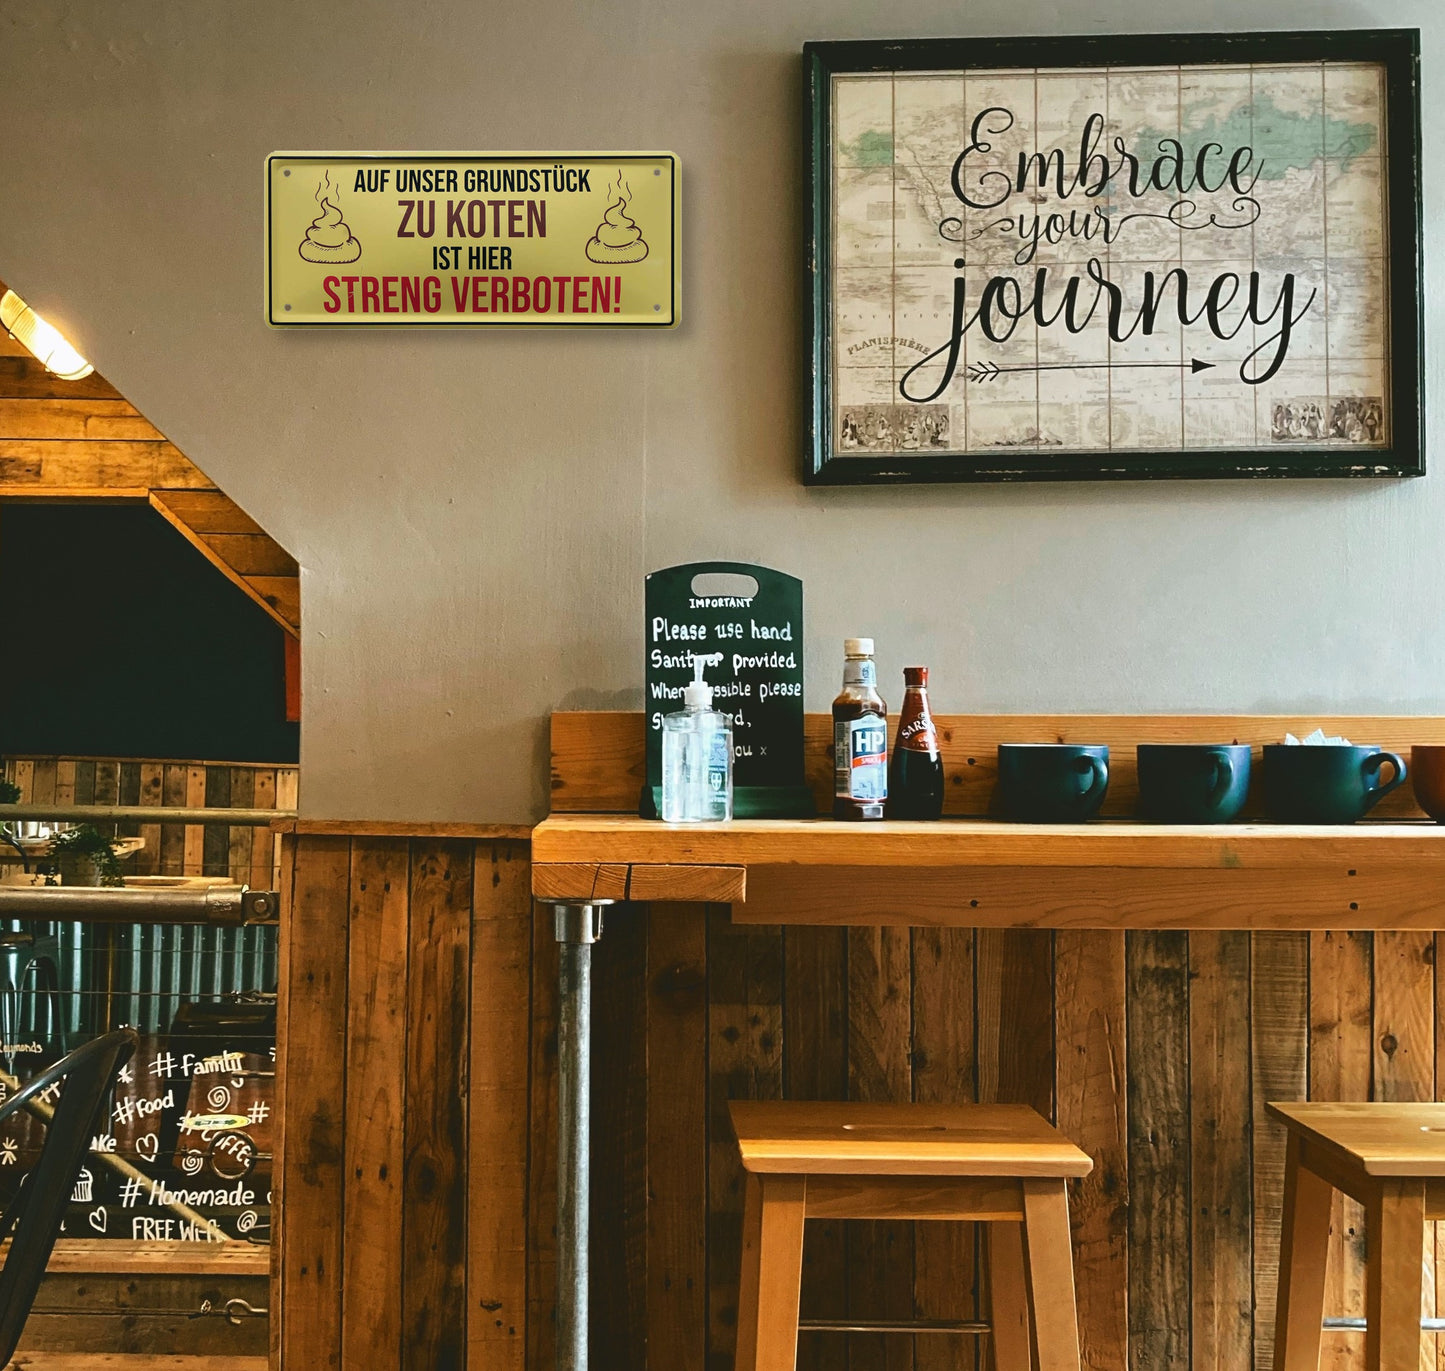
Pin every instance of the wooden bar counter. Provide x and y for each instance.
(981, 874)
(1146, 987)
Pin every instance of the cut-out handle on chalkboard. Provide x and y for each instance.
(734, 583)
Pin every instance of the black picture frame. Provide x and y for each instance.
(1396, 50)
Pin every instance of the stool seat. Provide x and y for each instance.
(1380, 1139)
(1003, 1166)
(1391, 1158)
(860, 1139)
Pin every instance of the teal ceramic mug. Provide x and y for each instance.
(1051, 782)
(1193, 783)
(1326, 783)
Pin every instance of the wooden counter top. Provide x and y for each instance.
(981, 873)
(979, 842)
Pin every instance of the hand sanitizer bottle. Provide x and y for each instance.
(697, 757)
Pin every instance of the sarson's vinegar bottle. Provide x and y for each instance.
(860, 737)
(915, 775)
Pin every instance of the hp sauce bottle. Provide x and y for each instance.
(860, 737)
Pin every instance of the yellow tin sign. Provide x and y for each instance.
(480, 239)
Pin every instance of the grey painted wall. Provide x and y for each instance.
(475, 513)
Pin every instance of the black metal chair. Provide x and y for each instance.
(32, 1219)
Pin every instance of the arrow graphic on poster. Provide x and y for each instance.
(986, 371)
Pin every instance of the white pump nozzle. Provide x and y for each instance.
(697, 694)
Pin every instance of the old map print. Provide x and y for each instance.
(1160, 258)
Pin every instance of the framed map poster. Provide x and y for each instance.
(1189, 255)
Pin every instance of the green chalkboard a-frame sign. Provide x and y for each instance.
(1115, 257)
(747, 622)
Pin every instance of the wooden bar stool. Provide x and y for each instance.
(1389, 1157)
(1002, 1165)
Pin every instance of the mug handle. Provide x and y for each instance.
(1371, 767)
(1223, 780)
(1098, 772)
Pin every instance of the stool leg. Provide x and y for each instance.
(772, 1273)
(1050, 1275)
(1303, 1255)
(1008, 1300)
(1395, 1225)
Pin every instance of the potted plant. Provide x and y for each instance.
(85, 856)
(9, 792)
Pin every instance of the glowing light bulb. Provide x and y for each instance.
(43, 341)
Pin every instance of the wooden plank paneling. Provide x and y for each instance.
(1341, 1049)
(618, 1299)
(1279, 1046)
(945, 1277)
(1157, 970)
(542, 1148)
(498, 1139)
(1155, 1061)
(434, 1220)
(880, 1252)
(676, 1257)
(745, 1061)
(1220, 1131)
(311, 1174)
(815, 1046)
(1404, 1066)
(1092, 1064)
(377, 952)
(597, 757)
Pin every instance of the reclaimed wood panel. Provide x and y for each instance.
(247, 855)
(1154, 1050)
(1220, 1125)
(1091, 1046)
(497, 1143)
(377, 966)
(1340, 1068)
(1157, 987)
(676, 1145)
(313, 1029)
(434, 1214)
(1279, 1037)
(598, 760)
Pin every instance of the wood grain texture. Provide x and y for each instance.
(598, 759)
(542, 1148)
(880, 1252)
(620, 1160)
(497, 1141)
(1345, 898)
(745, 1061)
(815, 1045)
(311, 1171)
(676, 1256)
(1221, 1234)
(1157, 971)
(1092, 1065)
(1341, 1050)
(945, 1282)
(378, 960)
(433, 1303)
(1279, 1054)
(964, 844)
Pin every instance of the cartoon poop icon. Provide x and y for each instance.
(617, 239)
(329, 239)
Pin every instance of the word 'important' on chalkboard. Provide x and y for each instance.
(750, 617)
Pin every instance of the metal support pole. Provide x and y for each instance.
(577, 927)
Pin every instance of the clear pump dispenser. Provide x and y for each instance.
(697, 757)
